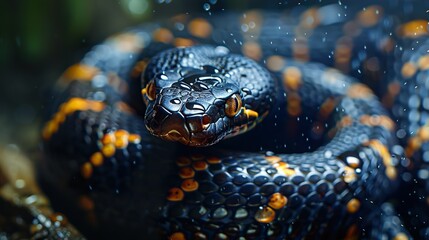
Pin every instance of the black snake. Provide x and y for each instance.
(322, 158)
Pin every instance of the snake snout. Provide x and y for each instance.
(167, 125)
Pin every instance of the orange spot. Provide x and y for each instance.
(265, 215)
(275, 63)
(139, 67)
(310, 19)
(199, 27)
(414, 29)
(183, 42)
(108, 150)
(352, 233)
(59, 218)
(284, 168)
(186, 172)
(370, 16)
(123, 107)
(175, 194)
(386, 157)
(189, 185)
(177, 236)
(134, 138)
(359, 90)
(183, 161)
(200, 165)
(214, 160)
(108, 138)
(401, 236)
(273, 159)
(327, 107)
(252, 50)
(345, 121)
(97, 159)
(277, 201)
(163, 35)
(378, 120)
(300, 49)
(80, 72)
(423, 133)
(86, 170)
(197, 157)
(86, 203)
(127, 42)
(353, 205)
(408, 70)
(292, 78)
(121, 138)
(414, 143)
(424, 62)
(349, 174)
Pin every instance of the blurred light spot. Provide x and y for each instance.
(136, 7)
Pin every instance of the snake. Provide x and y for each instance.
(254, 125)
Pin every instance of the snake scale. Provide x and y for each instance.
(133, 137)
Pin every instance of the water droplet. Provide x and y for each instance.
(206, 6)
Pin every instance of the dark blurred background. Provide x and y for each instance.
(40, 38)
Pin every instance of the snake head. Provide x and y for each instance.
(195, 106)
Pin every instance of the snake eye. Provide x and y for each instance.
(233, 105)
(151, 90)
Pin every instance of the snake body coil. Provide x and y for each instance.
(327, 154)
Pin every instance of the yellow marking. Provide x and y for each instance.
(86, 203)
(400, 236)
(423, 62)
(189, 185)
(277, 201)
(108, 150)
(252, 50)
(310, 19)
(343, 53)
(408, 70)
(123, 107)
(134, 138)
(214, 160)
(200, 165)
(80, 72)
(370, 16)
(265, 215)
(139, 68)
(378, 120)
(423, 133)
(144, 91)
(414, 29)
(186, 172)
(86, 170)
(175, 194)
(349, 174)
(327, 107)
(294, 104)
(414, 143)
(177, 236)
(97, 159)
(385, 156)
(275, 63)
(108, 138)
(121, 142)
(183, 42)
(273, 159)
(359, 90)
(300, 50)
(292, 78)
(251, 115)
(127, 42)
(163, 35)
(353, 205)
(284, 168)
(199, 27)
(67, 108)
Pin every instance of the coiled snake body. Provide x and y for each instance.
(323, 155)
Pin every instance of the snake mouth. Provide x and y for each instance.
(176, 136)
